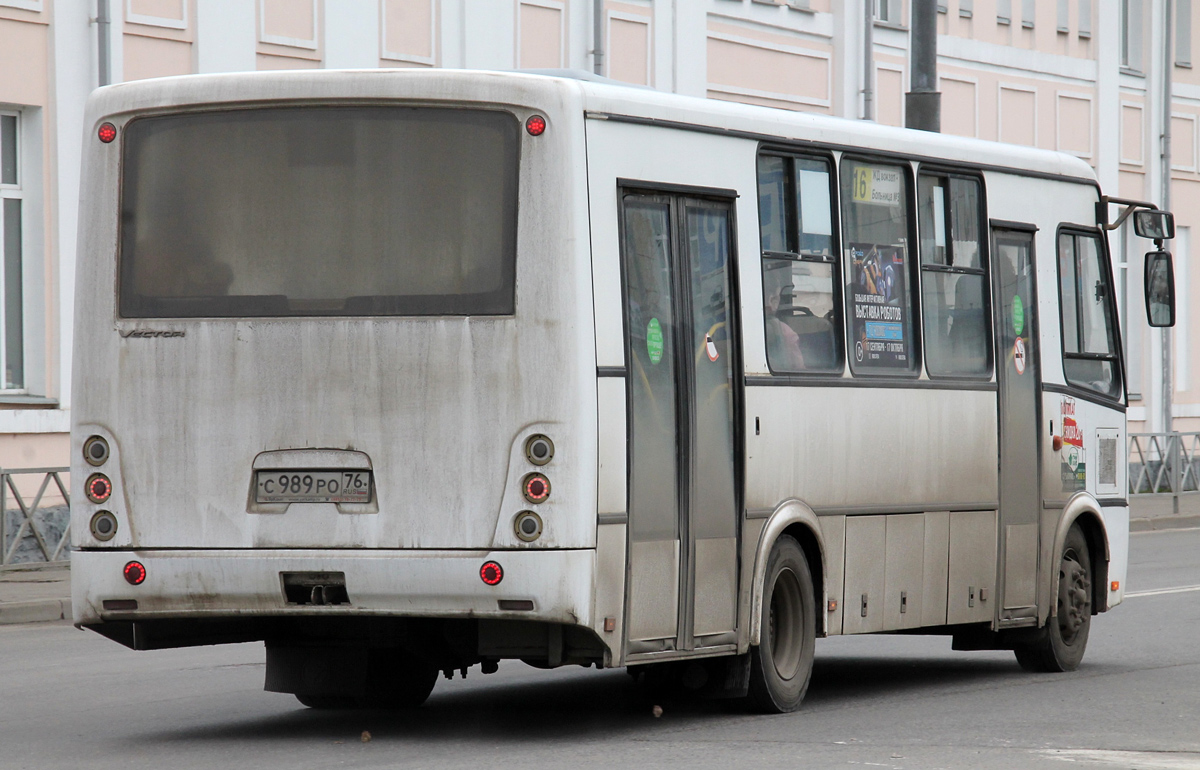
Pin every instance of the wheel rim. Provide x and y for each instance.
(785, 624)
(1074, 597)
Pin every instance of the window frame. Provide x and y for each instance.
(15, 191)
(792, 234)
(907, 164)
(984, 270)
(1117, 357)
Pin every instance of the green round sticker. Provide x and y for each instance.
(1018, 314)
(654, 340)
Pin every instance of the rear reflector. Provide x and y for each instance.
(516, 605)
(117, 605)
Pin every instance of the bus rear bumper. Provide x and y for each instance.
(544, 585)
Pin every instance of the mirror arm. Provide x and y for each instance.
(1129, 204)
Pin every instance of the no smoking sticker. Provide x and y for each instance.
(1019, 355)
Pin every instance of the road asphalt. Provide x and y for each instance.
(32, 593)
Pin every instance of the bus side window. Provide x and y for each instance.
(1085, 291)
(953, 278)
(875, 225)
(800, 299)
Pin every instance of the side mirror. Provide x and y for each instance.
(1160, 289)
(1153, 224)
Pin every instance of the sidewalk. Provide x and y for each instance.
(34, 593)
(40, 592)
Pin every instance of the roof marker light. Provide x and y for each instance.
(536, 125)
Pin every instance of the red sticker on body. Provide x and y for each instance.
(710, 347)
(1019, 355)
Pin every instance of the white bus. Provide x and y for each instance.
(403, 372)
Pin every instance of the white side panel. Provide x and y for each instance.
(972, 594)
(1116, 521)
(610, 586)
(937, 568)
(833, 530)
(855, 447)
(904, 571)
(866, 537)
(611, 478)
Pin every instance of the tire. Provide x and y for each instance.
(1060, 645)
(394, 682)
(397, 683)
(327, 702)
(781, 665)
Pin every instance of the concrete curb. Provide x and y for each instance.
(36, 611)
(1158, 523)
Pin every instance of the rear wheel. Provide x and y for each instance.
(1061, 644)
(781, 665)
(393, 682)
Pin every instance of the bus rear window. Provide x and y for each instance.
(319, 211)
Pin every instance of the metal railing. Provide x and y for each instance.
(1164, 463)
(42, 533)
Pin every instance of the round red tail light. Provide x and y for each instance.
(135, 573)
(490, 573)
(536, 125)
(98, 488)
(107, 132)
(536, 488)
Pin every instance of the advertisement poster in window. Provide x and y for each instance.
(879, 302)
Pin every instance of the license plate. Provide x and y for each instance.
(314, 486)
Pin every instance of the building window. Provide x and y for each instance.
(889, 12)
(1183, 33)
(1004, 11)
(12, 199)
(1028, 13)
(1088, 332)
(1085, 19)
(801, 303)
(1064, 16)
(966, 8)
(1131, 35)
(953, 278)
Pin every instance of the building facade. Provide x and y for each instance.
(1081, 76)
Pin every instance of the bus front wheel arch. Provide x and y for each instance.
(1060, 644)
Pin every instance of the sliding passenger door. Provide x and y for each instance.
(684, 498)
(1017, 370)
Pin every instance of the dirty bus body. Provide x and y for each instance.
(407, 372)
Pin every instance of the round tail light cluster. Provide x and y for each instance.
(95, 451)
(104, 525)
(536, 488)
(528, 526)
(539, 449)
(98, 488)
(107, 132)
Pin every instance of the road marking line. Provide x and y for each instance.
(1162, 591)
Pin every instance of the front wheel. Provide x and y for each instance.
(781, 665)
(1060, 645)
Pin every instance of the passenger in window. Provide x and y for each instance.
(783, 343)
